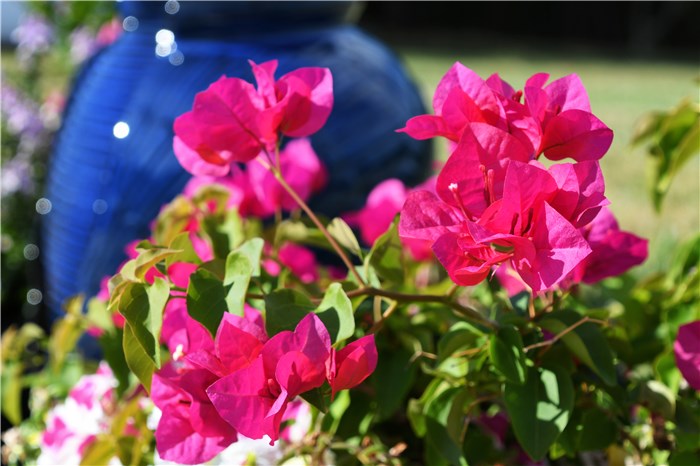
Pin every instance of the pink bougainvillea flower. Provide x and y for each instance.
(300, 261)
(181, 333)
(555, 119)
(253, 400)
(564, 111)
(384, 202)
(190, 431)
(530, 220)
(461, 97)
(352, 364)
(73, 425)
(687, 351)
(613, 251)
(232, 121)
(301, 169)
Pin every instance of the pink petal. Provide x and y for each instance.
(424, 216)
(466, 262)
(581, 191)
(613, 251)
(567, 93)
(309, 337)
(687, 351)
(310, 100)
(576, 134)
(353, 364)
(301, 261)
(383, 203)
(265, 77)
(296, 373)
(461, 77)
(236, 346)
(499, 85)
(244, 400)
(179, 273)
(194, 163)
(461, 182)
(559, 248)
(177, 441)
(426, 127)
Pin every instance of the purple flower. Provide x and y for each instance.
(34, 35)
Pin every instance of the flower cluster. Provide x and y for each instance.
(73, 425)
(232, 121)
(241, 382)
(496, 204)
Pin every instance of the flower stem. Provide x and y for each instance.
(334, 244)
(468, 312)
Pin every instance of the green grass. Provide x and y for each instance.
(621, 91)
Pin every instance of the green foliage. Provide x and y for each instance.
(540, 409)
(507, 356)
(672, 138)
(206, 299)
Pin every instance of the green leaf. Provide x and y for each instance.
(99, 315)
(392, 380)
(540, 409)
(183, 244)
(237, 280)
(597, 430)
(111, 343)
(586, 341)
(140, 363)
(147, 258)
(461, 336)
(252, 249)
(142, 306)
(387, 254)
(206, 299)
(66, 332)
(335, 311)
(241, 265)
(667, 371)
(343, 234)
(444, 422)
(316, 398)
(507, 355)
(284, 309)
(99, 451)
(658, 397)
(12, 391)
(332, 419)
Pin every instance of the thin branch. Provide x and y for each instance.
(563, 333)
(334, 244)
(379, 323)
(473, 314)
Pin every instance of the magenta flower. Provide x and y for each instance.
(531, 219)
(253, 400)
(383, 203)
(352, 364)
(555, 119)
(190, 431)
(564, 111)
(301, 169)
(232, 121)
(300, 261)
(613, 251)
(687, 351)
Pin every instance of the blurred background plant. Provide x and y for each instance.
(50, 43)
